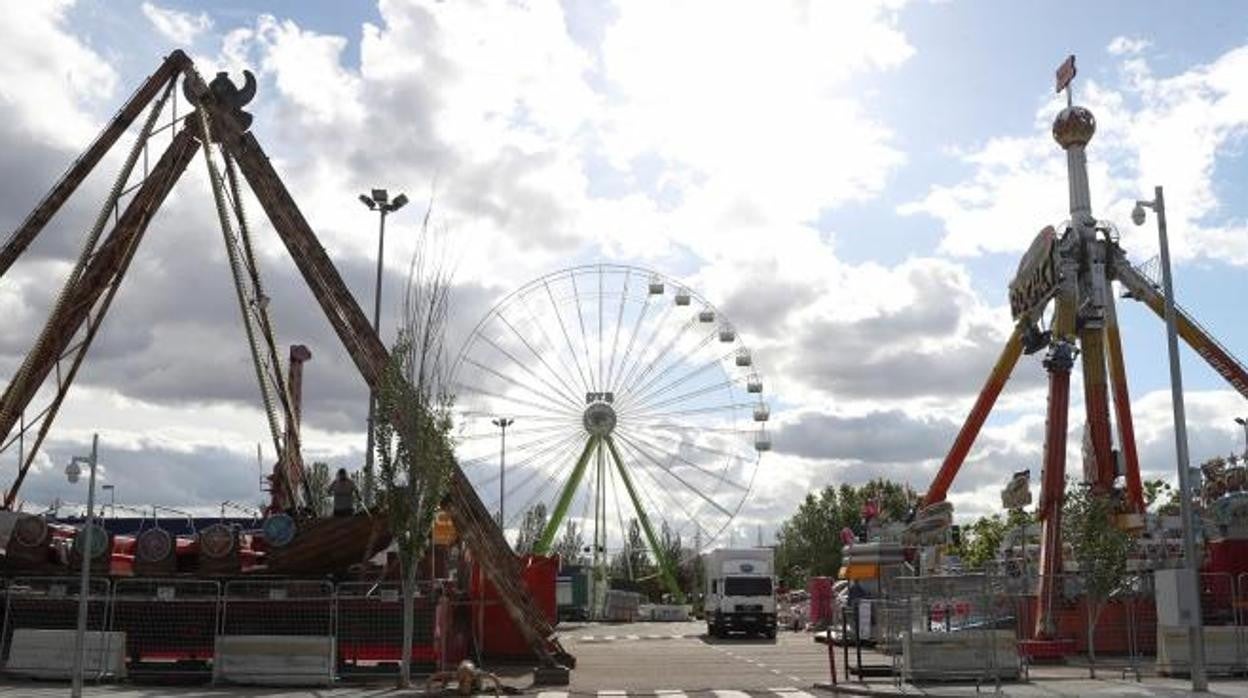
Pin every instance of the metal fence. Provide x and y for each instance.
(51, 603)
(984, 627)
(370, 628)
(171, 625)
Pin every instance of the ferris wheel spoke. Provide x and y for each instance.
(619, 320)
(684, 397)
(717, 476)
(601, 382)
(705, 410)
(566, 337)
(539, 442)
(580, 318)
(572, 402)
(645, 346)
(538, 460)
(565, 496)
(676, 502)
(702, 447)
(659, 355)
(628, 351)
(554, 404)
(554, 349)
(526, 431)
(526, 416)
(636, 394)
(542, 360)
(528, 478)
(659, 464)
(619, 514)
(643, 398)
(665, 565)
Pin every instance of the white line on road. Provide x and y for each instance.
(553, 694)
(626, 637)
(790, 693)
(731, 694)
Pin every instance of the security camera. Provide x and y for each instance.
(1137, 214)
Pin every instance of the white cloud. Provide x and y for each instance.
(1170, 131)
(1127, 46)
(49, 77)
(181, 28)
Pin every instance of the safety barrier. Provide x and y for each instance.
(41, 615)
(370, 628)
(276, 632)
(954, 628)
(170, 625)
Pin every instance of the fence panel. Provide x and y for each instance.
(960, 628)
(1224, 651)
(370, 629)
(278, 607)
(170, 625)
(51, 603)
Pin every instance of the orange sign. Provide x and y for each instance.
(443, 529)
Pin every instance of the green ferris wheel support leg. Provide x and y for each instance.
(665, 565)
(565, 498)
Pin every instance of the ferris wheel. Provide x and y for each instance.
(620, 401)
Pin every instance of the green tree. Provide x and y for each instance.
(808, 544)
(318, 479)
(531, 528)
(982, 539)
(415, 457)
(631, 565)
(570, 547)
(1099, 547)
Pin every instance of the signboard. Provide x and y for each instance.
(443, 529)
(1065, 73)
(1036, 280)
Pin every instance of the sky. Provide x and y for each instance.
(852, 184)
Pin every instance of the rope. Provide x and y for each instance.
(236, 272)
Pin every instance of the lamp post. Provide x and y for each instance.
(502, 423)
(1244, 423)
(1195, 631)
(379, 200)
(73, 471)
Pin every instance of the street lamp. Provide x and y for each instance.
(379, 200)
(1195, 631)
(502, 423)
(72, 472)
(1244, 423)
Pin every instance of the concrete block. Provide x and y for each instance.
(965, 653)
(274, 660)
(1221, 644)
(49, 654)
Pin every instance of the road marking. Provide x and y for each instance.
(730, 694)
(553, 694)
(626, 637)
(613, 692)
(608, 638)
(790, 693)
(670, 692)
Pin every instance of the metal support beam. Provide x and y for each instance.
(26, 233)
(565, 497)
(666, 571)
(1122, 408)
(975, 420)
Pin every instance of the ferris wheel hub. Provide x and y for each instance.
(599, 419)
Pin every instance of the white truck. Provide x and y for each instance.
(740, 591)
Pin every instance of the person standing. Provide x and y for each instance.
(344, 493)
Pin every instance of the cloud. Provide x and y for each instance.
(181, 28)
(1127, 46)
(1150, 129)
(887, 436)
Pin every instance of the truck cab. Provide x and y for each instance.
(740, 592)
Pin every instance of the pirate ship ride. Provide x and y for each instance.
(289, 541)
